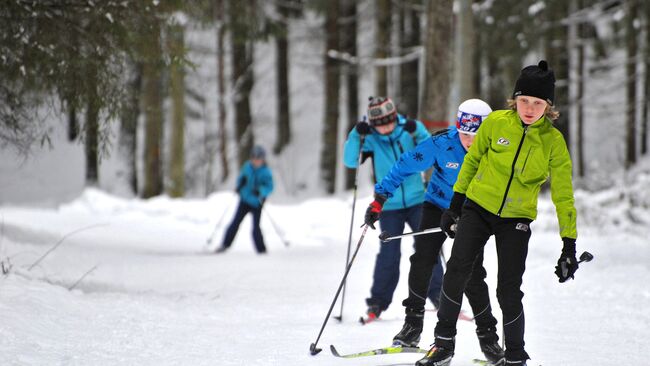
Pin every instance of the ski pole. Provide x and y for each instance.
(275, 227)
(384, 234)
(354, 202)
(312, 348)
(214, 231)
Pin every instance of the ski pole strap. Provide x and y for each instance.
(384, 235)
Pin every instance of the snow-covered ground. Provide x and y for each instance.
(152, 295)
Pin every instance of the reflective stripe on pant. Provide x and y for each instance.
(427, 248)
(512, 235)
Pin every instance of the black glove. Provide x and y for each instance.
(242, 183)
(450, 216)
(567, 265)
(410, 125)
(363, 128)
(373, 210)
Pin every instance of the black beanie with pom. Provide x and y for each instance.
(536, 81)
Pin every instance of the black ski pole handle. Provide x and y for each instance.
(585, 257)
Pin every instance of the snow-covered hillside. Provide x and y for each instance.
(150, 294)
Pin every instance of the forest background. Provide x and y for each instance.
(146, 98)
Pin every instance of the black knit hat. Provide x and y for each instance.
(536, 81)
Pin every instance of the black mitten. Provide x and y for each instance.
(567, 265)
(363, 128)
(450, 217)
(410, 125)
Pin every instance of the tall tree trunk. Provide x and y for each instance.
(349, 45)
(152, 99)
(176, 179)
(92, 133)
(331, 118)
(221, 91)
(495, 85)
(631, 8)
(409, 76)
(464, 67)
(129, 126)
(73, 124)
(579, 102)
(382, 45)
(646, 84)
(242, 65)
(438, 61)
(557, 39)
(282, 63)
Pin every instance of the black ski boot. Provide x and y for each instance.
(409, 336)
(489, 341)
(439, 355)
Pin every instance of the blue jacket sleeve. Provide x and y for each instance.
(351, 149)
(417, 160)
(266, 183)
(241, 178)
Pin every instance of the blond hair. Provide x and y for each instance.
(549, 112)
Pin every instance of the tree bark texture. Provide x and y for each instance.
(331, 119)
(438, 61)
(176, 181)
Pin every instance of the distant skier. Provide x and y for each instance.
(514, 153)
(387, 136)
(254, 185)
(444, 152)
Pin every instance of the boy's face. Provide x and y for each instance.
(530, 109)
(257, 162)
(386, 129)
(466, 140)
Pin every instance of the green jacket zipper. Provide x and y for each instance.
(512, 171)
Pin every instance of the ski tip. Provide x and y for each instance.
(334, 351)
(313, 350)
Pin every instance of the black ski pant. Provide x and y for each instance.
(475, 227)
(427, 249)
(242, 210)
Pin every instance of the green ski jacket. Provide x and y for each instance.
(507, 164)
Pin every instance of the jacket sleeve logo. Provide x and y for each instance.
(503, 141)
(452, 165)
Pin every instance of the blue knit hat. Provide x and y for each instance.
(258, 152)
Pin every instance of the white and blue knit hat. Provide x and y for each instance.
(471, 114)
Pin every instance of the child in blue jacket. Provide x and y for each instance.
(444, 152)
(385, 138)
(254, 185)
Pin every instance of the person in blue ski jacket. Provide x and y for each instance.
(254, 185)
(444, 152)
(384, 138)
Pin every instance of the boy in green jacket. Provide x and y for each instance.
(514, 153)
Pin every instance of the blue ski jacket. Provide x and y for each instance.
(444, 153)
(254, 184)
(385, 151)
